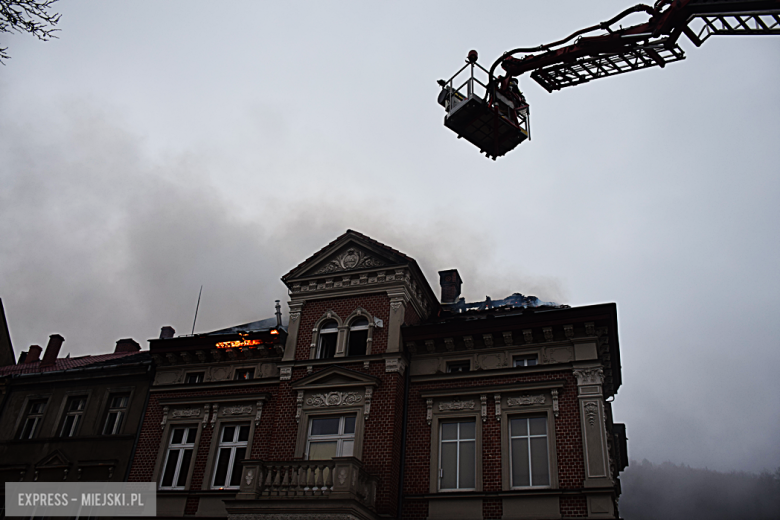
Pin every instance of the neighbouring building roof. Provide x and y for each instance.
(69, 363)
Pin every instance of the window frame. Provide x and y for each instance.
(449, 365)
(180, 447)
(525, 358)
(529, 436)
(77, 414)
(457, 442)
(439, 417)
(530, 411)
(335, 331)
(24, 418)
(338, 437)
(358, 328)
(233, 445)
(187, 376)
(121, 411)
(249, 370)
(301, 445)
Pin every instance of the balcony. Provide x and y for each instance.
(305, 487)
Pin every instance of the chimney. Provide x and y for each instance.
(278, 314)
(127, 345)
(167, 332)
(34, 354)
(450, 285)
(52, 350)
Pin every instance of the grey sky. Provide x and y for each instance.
(156, 147)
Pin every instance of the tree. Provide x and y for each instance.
(27, 16)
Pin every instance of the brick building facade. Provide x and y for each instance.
(376, 400)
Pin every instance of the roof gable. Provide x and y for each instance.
(352, 251)
(335, 377)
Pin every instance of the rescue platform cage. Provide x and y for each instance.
(484, 120)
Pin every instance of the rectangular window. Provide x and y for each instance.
(458, 366)
(194, 378)
(526, 361)
(330, 437)
(528, 452)
(73, 413)
(457, 455)
(245, 373)
(178, 458)
(231, 451)
(33, 420)
(117, 408)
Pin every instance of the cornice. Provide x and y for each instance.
(509, 387)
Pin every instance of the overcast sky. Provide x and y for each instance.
(159, 146)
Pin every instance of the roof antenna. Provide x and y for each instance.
(196, 310)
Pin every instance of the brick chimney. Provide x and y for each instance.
(52, 350)
(167, 332)
(127, 345)
(34, 354)
(450, 285)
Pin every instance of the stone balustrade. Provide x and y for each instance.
(339, 478)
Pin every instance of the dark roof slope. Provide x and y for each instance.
(70, 363)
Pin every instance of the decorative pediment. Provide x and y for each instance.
(335, 377)
(53, 460)
(350, 252)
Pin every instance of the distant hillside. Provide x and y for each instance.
(670, 492)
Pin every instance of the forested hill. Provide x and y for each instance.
(670, 492)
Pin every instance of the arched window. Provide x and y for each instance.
(329, 333)
(358, 336)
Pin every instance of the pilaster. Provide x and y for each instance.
(594, 431)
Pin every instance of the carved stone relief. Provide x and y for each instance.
(528, 336)
(185, 412)
(429, 410)
(525, 400)
(220, 373)
(591, 411)
(491, 361)
(285, 373)
(483, 401)
(350, 259)
(243, 409)
(334, 399)
(589, 376)
(456, 405)
(497, 400)
(558, 355)
(554, 392)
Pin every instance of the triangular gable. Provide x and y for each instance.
(335, 377)
(53, 460)
(352, 251)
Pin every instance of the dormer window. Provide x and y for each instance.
(358, 337)
(326, 347)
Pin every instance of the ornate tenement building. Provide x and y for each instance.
(378, 400)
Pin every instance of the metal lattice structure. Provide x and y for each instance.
(583, 57)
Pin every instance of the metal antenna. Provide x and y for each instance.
(196, 310)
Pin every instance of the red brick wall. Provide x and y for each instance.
(150, 440)
(410, 316)
(376, 304)
(576, 506)
(567, 432)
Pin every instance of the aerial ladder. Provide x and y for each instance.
(491, 112)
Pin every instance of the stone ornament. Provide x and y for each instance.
(299, 402)
(352, 258)
(525, 400)
(528, 336)
(456, 405)
(243, 409)
(215, 409)
(333, 399)
(589, 376)
(249, 477)
(185, 412)
(367, 405)
(483, 401)
(554, 392)
(205, 414)
(429, 412)
(497, 399)
(285, 373)
(591, 411)
(394, 365)
(165, 417)
(548, 333)
(259, 412)
(508, 340)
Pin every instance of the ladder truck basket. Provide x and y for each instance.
(495, 123)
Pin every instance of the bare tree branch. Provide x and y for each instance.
(27, 16)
